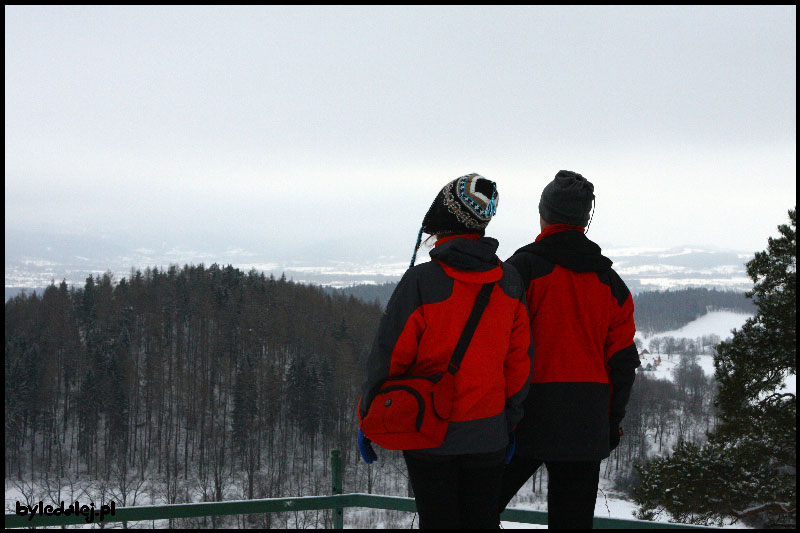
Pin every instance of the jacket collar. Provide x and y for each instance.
(567, 246)
(470, 258)
(470, 236)
(557, 228)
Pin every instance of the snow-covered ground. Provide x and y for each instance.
(31, 264)
(664, 369)
(716, 322)
(790, 384)
(608, 505)
(719, 323)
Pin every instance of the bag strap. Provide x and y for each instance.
(472, 324)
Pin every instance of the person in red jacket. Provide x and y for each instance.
(581, 317)
(458, 483)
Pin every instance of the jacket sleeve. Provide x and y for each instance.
(519, 364)
(395, 346)
(622, 357)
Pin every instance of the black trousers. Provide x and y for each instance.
(571, 489)
(457, 491)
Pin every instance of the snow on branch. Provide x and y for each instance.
(770, 506)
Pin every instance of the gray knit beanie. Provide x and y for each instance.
(567, 199)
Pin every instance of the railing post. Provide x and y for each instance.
(336, 478)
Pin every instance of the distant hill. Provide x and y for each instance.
(13, 291)
(250, 368)
(367, 292)
(655, 311)
(34, 262)
(659, 311)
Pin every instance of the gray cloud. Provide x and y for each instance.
(333, 127)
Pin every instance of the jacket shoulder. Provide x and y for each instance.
(530, 266)
(429, 281)
(618, 288)
(511, 282)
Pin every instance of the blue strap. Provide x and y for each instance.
(492, 207)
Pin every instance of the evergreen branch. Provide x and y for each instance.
(785, 507)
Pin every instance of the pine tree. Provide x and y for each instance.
(747, 470)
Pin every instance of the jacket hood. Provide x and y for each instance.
(570, 249)
(469, 258)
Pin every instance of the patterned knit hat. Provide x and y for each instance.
(465, 205)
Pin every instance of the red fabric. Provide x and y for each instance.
(577, 325)
(555, 228)
(473, 277)
(496, 364)
(407, 414)
(470, 236)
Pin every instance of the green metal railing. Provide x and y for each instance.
(337, 502)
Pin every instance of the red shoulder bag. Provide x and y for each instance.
(413, 412)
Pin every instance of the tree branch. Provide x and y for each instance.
(771, 506)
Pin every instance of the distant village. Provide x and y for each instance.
(649, 361)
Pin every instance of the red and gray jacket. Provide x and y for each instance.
(581, 316)
(422, 324)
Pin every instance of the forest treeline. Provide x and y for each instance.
(658, 311)
(368, 292)
(655, 311)
(181, 372)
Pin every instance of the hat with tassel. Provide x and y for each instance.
(465, 205)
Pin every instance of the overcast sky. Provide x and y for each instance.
(284, 129)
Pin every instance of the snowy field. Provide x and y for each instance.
(719, 323)
(716, 322)
(664, 369)
(608, 505)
